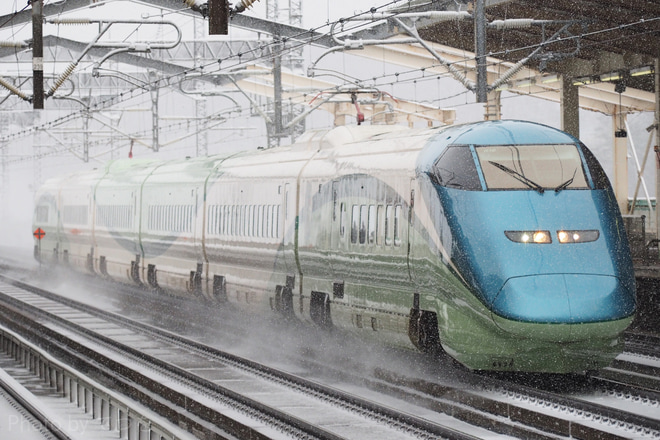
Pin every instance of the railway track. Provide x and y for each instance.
(59, 402)
(314, 411)
(502, 406)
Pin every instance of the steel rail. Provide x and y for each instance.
(371, 409)
(469, 406)
(160, 398)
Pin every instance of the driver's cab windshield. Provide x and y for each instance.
(538, 167)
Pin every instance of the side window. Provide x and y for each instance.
(397, 225)
(371, 236)
(456, 169)
(355, 223)
(597, 173)
(252, 221)
(276, 220)
(380, 221)
(363, 223)
(389, 213)
(262, 221)
(342, 220)
(41, 214)
(234, 220)
(245, 226)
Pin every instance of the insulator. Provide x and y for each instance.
(69, 20)
(194, 3)
(13, 44)
(13, 89)
(242, 5)
(59, 81)
(200, 6)
(447, 15)
(512, 23)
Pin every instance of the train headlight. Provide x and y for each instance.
(577, 236)
(540, 237)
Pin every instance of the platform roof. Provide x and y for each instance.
(617, 36)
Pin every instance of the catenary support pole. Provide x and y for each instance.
(37, 55)
(480, 50)
(657, 143)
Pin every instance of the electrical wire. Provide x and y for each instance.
(305, 39)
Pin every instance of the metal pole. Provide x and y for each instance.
(277, 89)
(37, 55)
(153, 77)
(480, 50)
(657, 143)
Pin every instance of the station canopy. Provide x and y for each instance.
(607, 46)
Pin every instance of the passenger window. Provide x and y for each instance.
(355, 223)
(363, 223)
(456, 169)
(41, 214)
(244, 229)
(380, 224)
(389, 211)
(234, 220)
(397, 225)
(261, 227)
(371, 237)
(276, 222)
(225, 221)
(252, 221)
(342, 219)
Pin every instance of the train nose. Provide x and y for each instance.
(563, 298)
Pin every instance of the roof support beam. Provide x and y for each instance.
(657, 142)
(569, 107)
(620, 160)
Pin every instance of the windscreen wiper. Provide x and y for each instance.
(564, 185)
(519, 177)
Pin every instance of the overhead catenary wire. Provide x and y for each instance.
(299, 41)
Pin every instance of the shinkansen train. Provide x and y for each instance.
(499, 242)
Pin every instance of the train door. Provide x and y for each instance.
(337, 219)
(410, 238)
(198, 203)
(287, 229)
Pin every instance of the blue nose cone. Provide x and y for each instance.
(563, 298)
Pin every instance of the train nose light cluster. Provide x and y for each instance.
(540, 237)
(577, 236)
(544, 237)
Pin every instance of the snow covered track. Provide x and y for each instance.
(482, 406)
(191, 379)
(66, 404)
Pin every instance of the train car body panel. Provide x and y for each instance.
(500, 242)
(47, 217)
(171, 207)
(117, 227)
(76, 207)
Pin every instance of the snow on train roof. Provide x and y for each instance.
(505, 132)
(359, 147)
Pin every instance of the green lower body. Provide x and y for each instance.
(507, 345)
